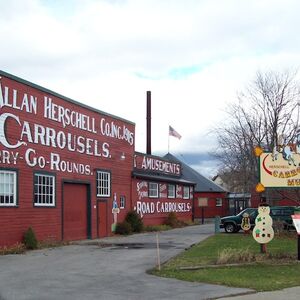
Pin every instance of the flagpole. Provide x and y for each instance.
(168, 142)
(169, 139)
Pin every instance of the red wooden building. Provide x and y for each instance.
(61, 165)
(158, 188)
(209, 199)
(70, 171)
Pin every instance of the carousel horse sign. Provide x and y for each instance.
(279, 168)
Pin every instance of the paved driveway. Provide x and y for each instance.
(114, 269)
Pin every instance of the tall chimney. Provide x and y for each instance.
(148, 123)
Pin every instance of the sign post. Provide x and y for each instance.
(296, 221)
(202, 202)
(279, 168)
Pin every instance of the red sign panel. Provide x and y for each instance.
(155, 164)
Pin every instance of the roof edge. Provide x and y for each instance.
(161, 177)
(36, 86)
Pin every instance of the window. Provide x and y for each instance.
(44, 190)
(219, 201)
(153, 190)
(122, 201)
(103, 184)
(171, 191)
(186, 192)
(8, 188)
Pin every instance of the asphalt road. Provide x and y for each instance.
(110, 268)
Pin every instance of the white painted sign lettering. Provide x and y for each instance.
(28, 134)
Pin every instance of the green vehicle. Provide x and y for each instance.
(282, 214)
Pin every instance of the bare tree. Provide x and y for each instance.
(268, 108)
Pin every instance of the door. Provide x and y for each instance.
(102, 218)
(75, 211)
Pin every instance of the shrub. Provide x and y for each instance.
(30, 240)
(155, 228)
(229, 256)
(238, 256)
(134, 219)
(189, 223)
(123, 228)
(172, 220)
(18, 248)
(50, 243)
(278, 226)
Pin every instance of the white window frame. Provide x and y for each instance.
(219, 202)
(43, 196)
(103, 183)
(153, 189)
(8, 182)
(171, 191)
(186, 192)
(122, 202)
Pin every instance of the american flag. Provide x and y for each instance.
(173, 132)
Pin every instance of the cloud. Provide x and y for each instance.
(202, 162)
(193, 55)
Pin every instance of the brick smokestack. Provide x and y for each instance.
(148, 122)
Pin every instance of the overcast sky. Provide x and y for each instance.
(194, 56)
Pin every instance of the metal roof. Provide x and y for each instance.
(161, 177)
(203, 184)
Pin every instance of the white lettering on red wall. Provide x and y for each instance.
(159, 206)
(27, 133)
(144, 208)
(142, 189)
(154, 164)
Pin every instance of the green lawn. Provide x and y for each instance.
(277, 269)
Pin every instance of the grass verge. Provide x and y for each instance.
(275, 270)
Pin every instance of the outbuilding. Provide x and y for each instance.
(209, 199)
(158, 189)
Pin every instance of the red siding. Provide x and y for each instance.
(101, 151)
(287, 198)
(211, 210)
(75, 211)
(102, 219)
(155, 210)
(288, 202)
